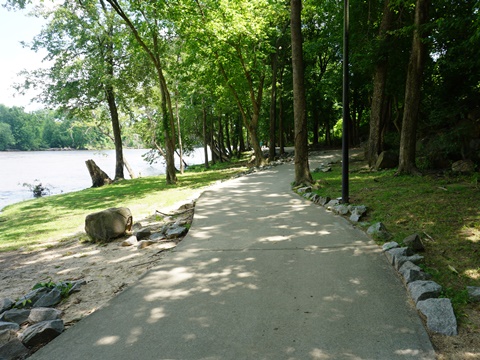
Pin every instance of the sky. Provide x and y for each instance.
(16, 26)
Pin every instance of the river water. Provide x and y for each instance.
(65, 171)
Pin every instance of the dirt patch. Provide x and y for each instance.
(108, 269)
(465, 346)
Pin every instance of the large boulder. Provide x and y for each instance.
(463, 166)
(109, 224)
(387, 160)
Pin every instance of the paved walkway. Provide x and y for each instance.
(262, 274)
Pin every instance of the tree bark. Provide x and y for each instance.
(205, 138)
(375, 140)
(302, 170)
(411, 112)
(152, 50)
(112, 105)
(129, 168)
(180, 146)
(99, 177)
(273, 105)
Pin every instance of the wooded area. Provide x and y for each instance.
(198, 72)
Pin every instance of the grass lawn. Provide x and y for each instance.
(444, 209)
(40, 222)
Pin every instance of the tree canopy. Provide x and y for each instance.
(198, 73)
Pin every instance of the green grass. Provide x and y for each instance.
(444, 209)
(41, 222)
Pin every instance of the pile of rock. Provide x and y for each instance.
(425, 293)
(32, 320)
(114, 223)
(354, 212)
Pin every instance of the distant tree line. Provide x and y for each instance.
(46, 129)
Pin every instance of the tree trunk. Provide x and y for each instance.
(316, 124)
(205, 138)
(129, 168)
(180, 147)
(99, 177)
(212, 143)
(281, 130)
(241, 139)
(273, 106)
(413, 92)
(375, 142)
(112, 106)
(116, 133)
(302, 170)
(228, 143)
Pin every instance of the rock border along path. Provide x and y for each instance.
(262, 274)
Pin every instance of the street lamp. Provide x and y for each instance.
(346, 117)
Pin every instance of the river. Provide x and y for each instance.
(65, 171)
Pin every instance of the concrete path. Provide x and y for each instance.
(262, 274)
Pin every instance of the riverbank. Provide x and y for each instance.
(63, 172)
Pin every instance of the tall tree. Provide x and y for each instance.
(375, 140)
(408, 138)
(236, 36)
(302, 170)
(82, 42)
(147, 26)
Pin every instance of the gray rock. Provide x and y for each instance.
(440, 316)
(473, 293)
(50, 299)
(355, 218)
(131, 241)
(41, 333)
(28, 300)
(76, 286)
(18, 316)
(137, 226)
(106, 225)
(6, 304)
(176, 232)
(14, 349)
(340, 209)
(332, 203)
(7, 325)
(379, 231)
(387, 160)
(43, 314)
(463, 166)
(158, 236)
(414, 242)
(322, 200)
(395, 252)
(305, 189)
(398, 261)
(142, 244)
(143, 233)
(308, 195)
(422, 290)
(7, 335)
(357, 209)
(411, 272)
(389, 245)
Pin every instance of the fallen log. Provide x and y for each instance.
(99, 177)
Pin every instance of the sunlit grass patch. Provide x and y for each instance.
(47, 220)
(444, 209)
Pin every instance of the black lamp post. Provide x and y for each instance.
(345, 100)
